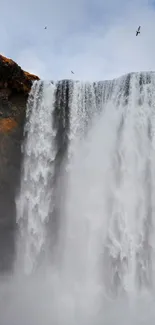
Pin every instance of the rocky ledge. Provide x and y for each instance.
(15, 85)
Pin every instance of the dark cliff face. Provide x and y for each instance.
(15, 85)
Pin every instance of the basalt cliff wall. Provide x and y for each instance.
(15, 85)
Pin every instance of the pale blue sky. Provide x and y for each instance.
(94, 38)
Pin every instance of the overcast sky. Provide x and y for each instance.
(94, 38)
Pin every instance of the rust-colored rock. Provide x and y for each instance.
(7, 124)
(15, 85)
(13, 77)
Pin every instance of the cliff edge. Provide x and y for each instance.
(15, 85)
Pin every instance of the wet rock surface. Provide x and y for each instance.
(15, 85)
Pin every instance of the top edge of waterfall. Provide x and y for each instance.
(123, 76)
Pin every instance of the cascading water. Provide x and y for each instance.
(88, 181)
(33, 205)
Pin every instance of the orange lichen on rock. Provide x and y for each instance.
(9, 61)
(7, 125)
(31, 76)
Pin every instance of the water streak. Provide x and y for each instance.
(34, 199)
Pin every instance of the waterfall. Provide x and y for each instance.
(85, 208)
(33, 203)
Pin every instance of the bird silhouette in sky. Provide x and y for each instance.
(138, 31)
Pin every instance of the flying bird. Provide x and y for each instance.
(138, 31)
(72, 72)
(45, 27)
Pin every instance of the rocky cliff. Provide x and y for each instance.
(15, 85)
